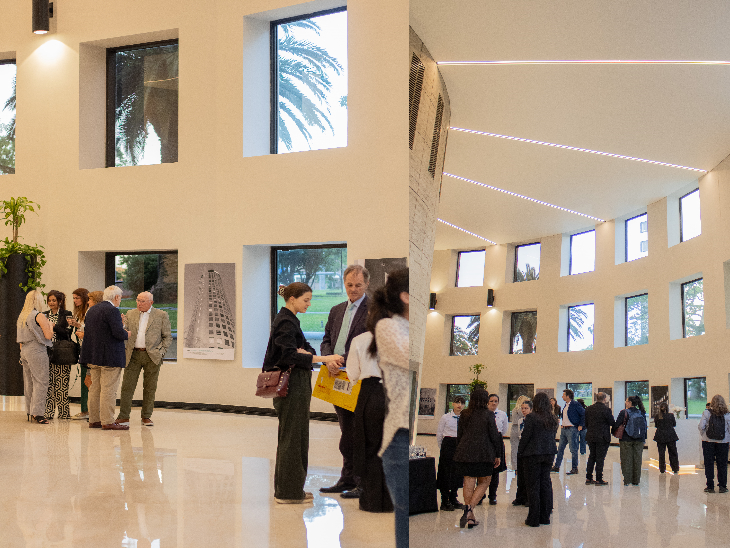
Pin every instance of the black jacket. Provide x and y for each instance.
(104, 337)
(536, 439)
(477, 438)
(61, 330)
(286, 336)
(665, 429)
(599, 421)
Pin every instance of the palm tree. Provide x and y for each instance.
(530, 273)
(304, 82)
(577, 317)
(7, 141)
(525, 324)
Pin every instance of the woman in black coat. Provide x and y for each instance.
(666, 438)
(479, 445)
(537, 448)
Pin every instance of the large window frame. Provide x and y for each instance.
(626, 235)
(684, 311)
(570, 262)
(453, 390)
(517, 257)
(453, 330)
(514, 391)
(576, 387)
(647, 402)
(681, 215)
(458, 266)
(274, 75)
(686, 397)
(9, 62)
(513, 318)
(568, 331)
(111, 84)
(626, 318)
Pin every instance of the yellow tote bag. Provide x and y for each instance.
(337, 390)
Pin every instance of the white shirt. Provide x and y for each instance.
(566, 420)
(360, 364)
(502, 421)
(144, 318)
(448, 426)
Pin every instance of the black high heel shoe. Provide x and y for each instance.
(465, 517)
(40, 419)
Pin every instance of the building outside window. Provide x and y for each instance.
(641, 389)
(581, 390)
(514, 391)
(695, 397)
(309, 82)
(523, 334)
(583, 252)
(580, 327)
(637, 237)
(320, 267)
(527, 262)
(453, 390)
(142, 85)
(693, 308)
(470, 268)
(465, 335)
(156, 272)
(690, 224)
(637, 320)
(7, 116)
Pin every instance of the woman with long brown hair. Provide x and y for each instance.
(81, 305)
(715, 433)
(59, 373)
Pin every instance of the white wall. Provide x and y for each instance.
(213, 201)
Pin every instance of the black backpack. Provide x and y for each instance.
(715, 427)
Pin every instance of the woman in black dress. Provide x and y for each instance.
(537, 448)
(478, 445)
(59, 375)
(666, 438)
(287, 349)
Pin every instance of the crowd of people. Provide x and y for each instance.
(472, 448)
(367, 338)
(106, 344)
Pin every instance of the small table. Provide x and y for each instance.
(422, 486)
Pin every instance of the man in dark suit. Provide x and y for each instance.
(345, 322)
(599, 422)
(103, 353)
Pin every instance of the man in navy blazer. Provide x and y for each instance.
(573, 417)
(103, 353)
(345, 322)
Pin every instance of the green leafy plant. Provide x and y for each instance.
(477, 368)
(13, 211)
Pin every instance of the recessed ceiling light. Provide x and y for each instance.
(470, 233)
(585, 62)
(578, 149)
(523, 197)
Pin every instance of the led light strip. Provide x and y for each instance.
(566, 147)
(470, 233)
(585, 62)
(523, 197)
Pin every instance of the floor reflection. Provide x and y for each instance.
(324, 522)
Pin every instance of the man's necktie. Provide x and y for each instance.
(344, 330)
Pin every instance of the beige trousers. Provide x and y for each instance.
(103, 393)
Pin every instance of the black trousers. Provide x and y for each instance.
(673, 457)
(347, 446)
(597, 451)
(539, 488)
(494, 484)
(449, 482)
(715, 453)
(368, 436)
(521, 496)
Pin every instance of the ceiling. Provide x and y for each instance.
(678, 114)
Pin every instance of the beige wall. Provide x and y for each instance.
(213, 201)
(659, 361)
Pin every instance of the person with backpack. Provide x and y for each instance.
(631, 430)
(715, 433)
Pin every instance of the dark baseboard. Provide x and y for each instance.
(220, 408)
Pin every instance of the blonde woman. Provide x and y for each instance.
(514, 432)
(35, 335)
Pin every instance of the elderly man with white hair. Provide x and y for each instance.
(150, 338)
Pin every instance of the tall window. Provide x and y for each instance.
(465, 335)
(320, 267)
(581, 390)
(470, 268)
(309, 82)
(142, 87)
(580, 327)
(514, 391)
(583, 252)
(527, 262)
(695, 396)
(637, 237)
(156, 272)
(453, 390)
(693, 308)
(637, 319)
(7, 117)
(641, 389)
(690, 224)
(524, 333)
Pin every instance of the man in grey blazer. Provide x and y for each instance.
(150, 337)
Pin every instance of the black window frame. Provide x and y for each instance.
(626, 234)
(517, 247)
(686, 401)
(458, 264)
(681, 235)
(626, 388)
(681, 298)
(510, 393)
(274, 70)
(111, 84)
(512, 330)
(594, 317)
(453, 324)
(568, 386)
(570, 262)
(10, 62)
(626, 317)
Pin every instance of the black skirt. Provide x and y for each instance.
(474, 469)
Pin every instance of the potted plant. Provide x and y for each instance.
(477, 368)
(13, 211)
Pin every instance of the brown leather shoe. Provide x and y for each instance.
(114, 426)
(147, 422)
(94, 425)
(122, 421)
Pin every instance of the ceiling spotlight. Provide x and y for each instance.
(42, 12)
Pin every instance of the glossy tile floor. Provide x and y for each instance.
(663, 511)
(194, 479)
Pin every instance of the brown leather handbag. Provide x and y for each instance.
(273, 384)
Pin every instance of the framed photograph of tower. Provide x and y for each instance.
(210, 311)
